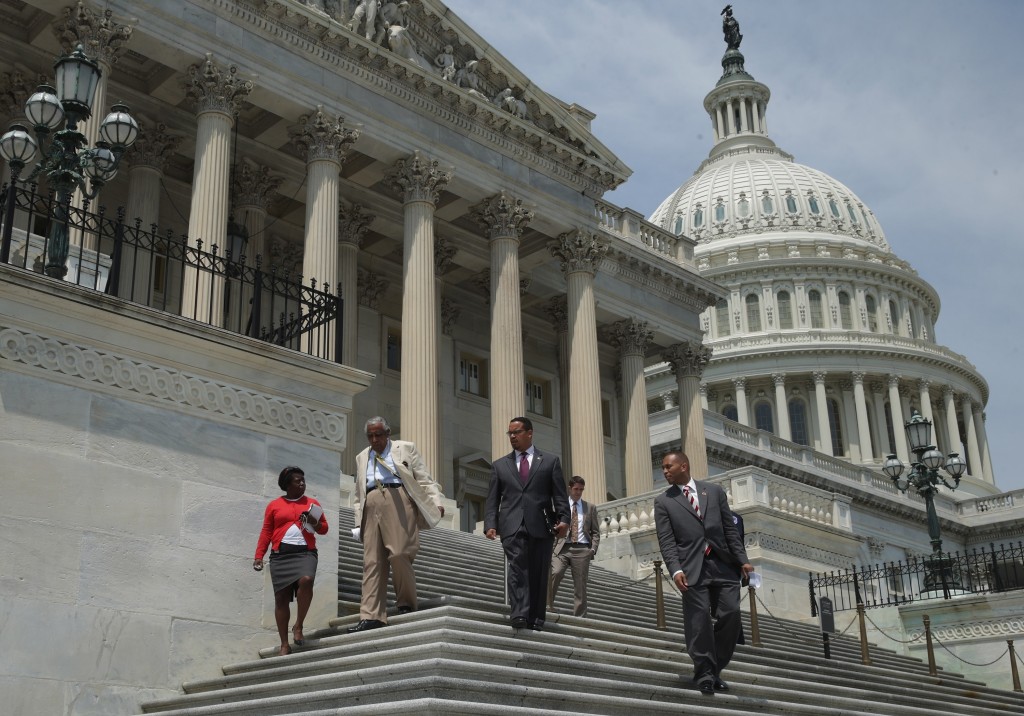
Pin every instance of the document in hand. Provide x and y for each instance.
(315, 513)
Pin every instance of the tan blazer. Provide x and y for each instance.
(416, 481)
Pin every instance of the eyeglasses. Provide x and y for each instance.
(510, 433)
(371, 436)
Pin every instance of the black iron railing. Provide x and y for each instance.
(940, 576)
(161, 270)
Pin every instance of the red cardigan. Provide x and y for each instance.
(282, 514)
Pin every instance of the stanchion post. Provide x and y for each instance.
(865, 658)
(1013, 666)
(659, 597)
(824, 641)
(928, 643)
(755, 630)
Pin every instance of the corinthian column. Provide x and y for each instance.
(867, 453)
(557, 309)
(631, 337)
(103, 40)
(821, 408)
(504, 218)
(254, 185)
(742, 414)
(782, 406)
(147, 158)
(420, 181)
(986, 457)
(898, 419)
(974, 459)
(580, 253)
(353, 222)
(322, 140)
(949, 405)
(216, 94)
(688, 361)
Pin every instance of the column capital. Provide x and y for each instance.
(893, 380)
(819, 377)
(154, 144)
(557, 309)
(212, 89)
(924, 385)
(948, 393)
(320, 136)
(846, 385)
(102, 37)
(687, 359)
(877, 387)
(444, 255)
(579, 251)
(450, 313)
(630, 336)
(285, 255)
(418, 178)
(369, 287)
(858, 377)
(503, 216)
(779, 379)
(254, 184)
(353, 223)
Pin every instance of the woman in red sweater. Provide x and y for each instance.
(288, 526)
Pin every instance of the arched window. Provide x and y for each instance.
(753, 312)
(814, 303)
(835, 427)
(894, 316)
(812, 203)
(698, 217)
(798, 421)
(845, 313)
(766, 203)
(722, 318)
(729, 412)
(763, 417)
(790, 203)
(785, 310)
(869, 304)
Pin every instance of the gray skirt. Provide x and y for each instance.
(287, 568)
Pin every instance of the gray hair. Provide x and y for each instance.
(377, 420)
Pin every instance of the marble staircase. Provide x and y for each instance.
(458, 655)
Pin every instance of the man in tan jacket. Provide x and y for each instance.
(395, 498)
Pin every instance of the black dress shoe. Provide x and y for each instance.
(721, 685)
(707, 687)
(366, 625)
(518, 623)
(537, 626)
(404, 610)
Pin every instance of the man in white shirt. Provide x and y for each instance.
(576, 550)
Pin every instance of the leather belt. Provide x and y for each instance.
(386, 484)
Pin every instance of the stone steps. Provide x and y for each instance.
(458, 655)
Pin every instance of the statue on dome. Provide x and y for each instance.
(731, 29)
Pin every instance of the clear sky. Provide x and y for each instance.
(916, 105)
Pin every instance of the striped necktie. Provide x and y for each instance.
(693, 501)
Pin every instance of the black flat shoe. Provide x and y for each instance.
(518, 623)
(721, 685)
(537, 626)
(404, 610)
(707, 687)
(366, 625)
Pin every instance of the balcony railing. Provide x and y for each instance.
(161, 270)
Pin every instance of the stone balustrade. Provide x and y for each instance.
(632, 226)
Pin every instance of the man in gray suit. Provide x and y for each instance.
(527, 505)
(576, 550)
(705, 556)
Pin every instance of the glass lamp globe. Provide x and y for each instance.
(43, 109)
(119, 128)
(17, 146)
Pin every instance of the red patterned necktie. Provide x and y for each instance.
(693, 500)
(524, 468)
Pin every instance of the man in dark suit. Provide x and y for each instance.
(576, 550)
(527, 505)
(704, 554)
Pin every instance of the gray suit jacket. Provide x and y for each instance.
(416, 481)
(511, 504)
(682, 536)
(591, 528)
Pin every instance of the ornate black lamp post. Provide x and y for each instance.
(67, 163)
(924, 476)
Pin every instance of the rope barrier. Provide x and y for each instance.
(891, 638)
(958, 658)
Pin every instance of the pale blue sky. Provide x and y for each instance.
(916, 105)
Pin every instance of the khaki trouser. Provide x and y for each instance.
(390, 543)
(578, 560)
